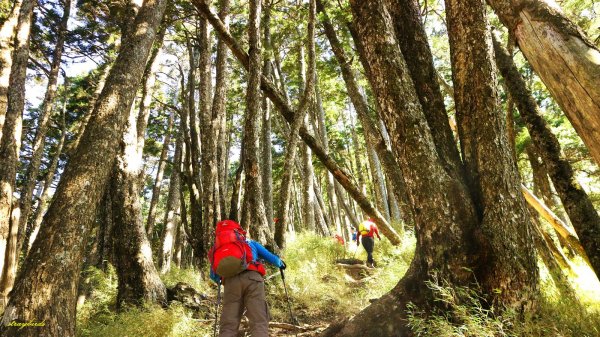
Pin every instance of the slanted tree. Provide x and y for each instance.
(46, 286)
(563, 57)
(577, 203)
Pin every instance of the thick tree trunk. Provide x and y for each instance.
(288, 113)
(560, 53)
(162, 163)
(373, 136)
(44, 199)
(577, 204)
(10, 144)
(46, 287)
(253, 207)
(37, 147)
(7, 33)
(493, 177)
(138, 279)
(173, 207)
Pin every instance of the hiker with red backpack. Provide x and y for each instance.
(236, 263)
(367, 229)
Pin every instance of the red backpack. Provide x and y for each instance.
(231, 254)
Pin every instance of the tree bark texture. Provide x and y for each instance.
(493, 176)
(279, 101)
(138, 279)
(39, 140)
(577, 204)
(50, 273)
(566, 61)
(10, 144)
(253, 206)
(372, 135)
(7, 33)
(266, 146)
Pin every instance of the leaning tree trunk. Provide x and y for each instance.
(46, 287)
(279, 100)
(493, 176)
(566, 61)
(577, 204)
(7, 32)
(253, 206)
(10, 144)
(37, 147)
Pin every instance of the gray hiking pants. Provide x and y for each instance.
(246, 290)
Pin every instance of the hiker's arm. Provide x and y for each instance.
(266, 255)
(377, 233)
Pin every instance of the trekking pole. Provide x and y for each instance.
(217, 310)
(355, 250)
(294, 320)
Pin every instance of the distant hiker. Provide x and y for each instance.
(236, 262)
(367, 229)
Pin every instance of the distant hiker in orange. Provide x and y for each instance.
(367, 229)
(235, 261)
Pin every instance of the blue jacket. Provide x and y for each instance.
(258, 253)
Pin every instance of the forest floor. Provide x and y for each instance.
(322, 291)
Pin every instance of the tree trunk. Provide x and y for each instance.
(50, 273)
(7, 33)
(138, 279)
(288, 113)
(209, 120)
(296, 125)
(219, 114)
(308, 189)
(10, 144)
(173, 207)
(577, 204)
(449, 244)
(44, 199)
(372, 135)
(562, 56)
(162, 163)
(253, 207)
(492, 171)
(37, 147)
(266, 146)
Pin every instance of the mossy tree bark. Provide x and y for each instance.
(46, 286)
(7, 33)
